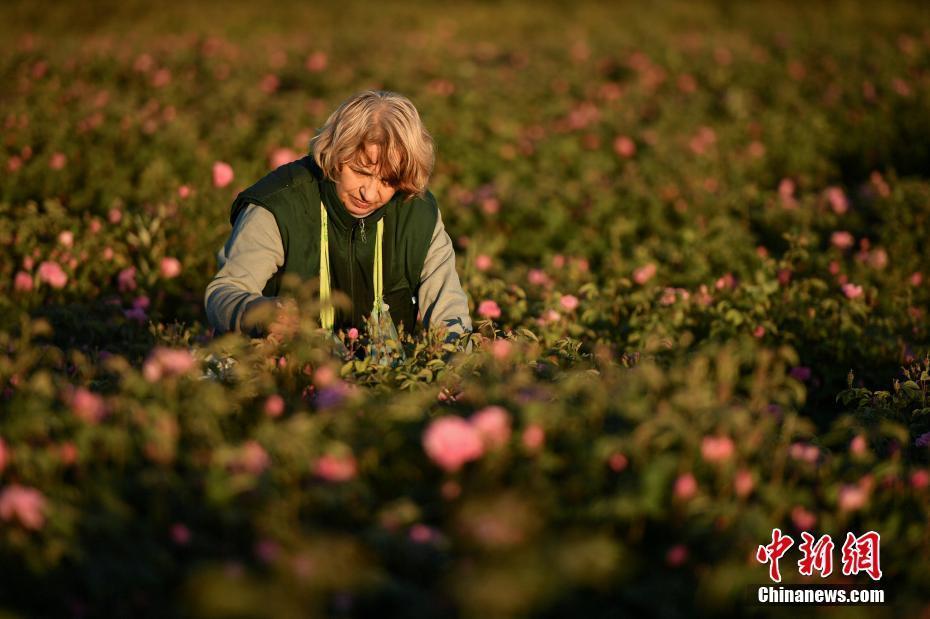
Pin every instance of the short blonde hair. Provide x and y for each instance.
(384, 118)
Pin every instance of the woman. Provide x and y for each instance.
(356, 213)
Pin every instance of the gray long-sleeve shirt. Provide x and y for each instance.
(254, 252)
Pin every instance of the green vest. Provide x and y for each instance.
(292, 193)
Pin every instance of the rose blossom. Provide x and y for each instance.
(126, 280)
(493, 424)
(852, 498)
(743, 483)
(451, 442)
(537, 277)
(222, 174)
(282, 156)
(483, 262)
(22, 282)
(335, 468)
(170, 267)
(676, 555)
(716, 449)
(180, 534)
(842, 239)
(52, 274)
(533, 436)
(624, 146)
(852, 291)
(617, 462)
(87, 405)
(489, 309)
(569, 302)
(803, 519)
(274, 405)
(252, 458)
(837, 200)
(24, 504)
(644, 273)
(685, 486)
(167, 362)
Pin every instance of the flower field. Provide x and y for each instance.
(695, 242)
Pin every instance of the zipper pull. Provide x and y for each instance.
(362, 226)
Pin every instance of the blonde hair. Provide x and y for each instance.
(384, 118)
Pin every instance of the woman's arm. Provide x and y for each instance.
(250, 257)
(441, 298)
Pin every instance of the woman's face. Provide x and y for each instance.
(358, 186)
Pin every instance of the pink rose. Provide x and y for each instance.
(490, 205)
(22, 282)
(852, 498)
(538, 277)
(274, 405)
(184, 192)
(569, 302)
(422, 533)
(335, 468)
(920, 479)
(489, 309)
(66, 238)
(501, 349)
(837, 200)
(483, 262)
(167, 362)
(676, 555)
(222, 174)
(804, 452)
(617, 462)
(858, 446)
(533, 437)
(24, 504)
(87, 405)
(451, 442)
(252, 458)
(353, 334)
(624, 146)
(126, 280)
(725, 282)
(115, 215)
(743, 483)
(493, 424)
(58, 161)
(550, 315)
(52, 274)
(852, 291)
(282, 156)
(316, 62)
(685, 486)
(644, 273)
(170, 267)
(180, 534)
(803, 519)
(878, 258)
(716, 449)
